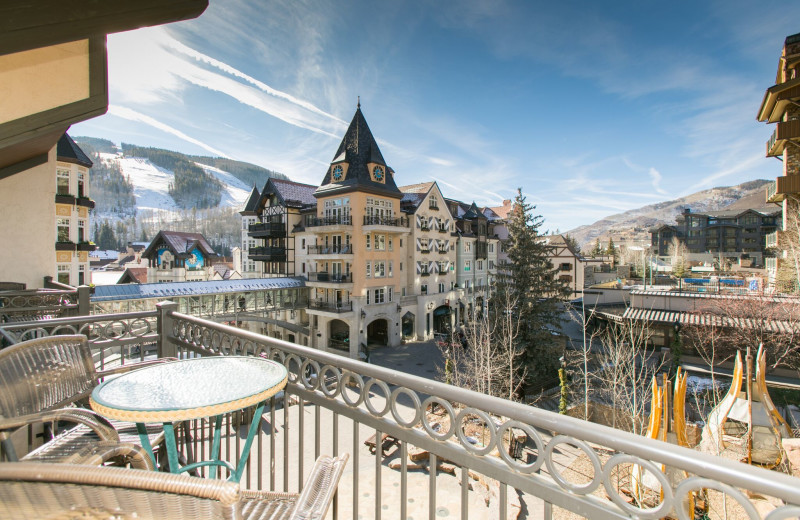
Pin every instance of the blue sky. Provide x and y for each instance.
(592, 108)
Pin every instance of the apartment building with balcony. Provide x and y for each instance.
(736, 234)
(271, 220)
(781, 106)
(429, 304)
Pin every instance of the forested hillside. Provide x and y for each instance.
(248, 173)
(110, 189)
(192, 187)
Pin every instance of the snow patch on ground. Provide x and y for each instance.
(150, 183)
(234, 192)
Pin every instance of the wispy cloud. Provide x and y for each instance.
(132, 115)
(655, 177)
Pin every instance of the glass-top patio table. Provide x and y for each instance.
(192, 389)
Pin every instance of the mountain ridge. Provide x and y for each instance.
(633, 224)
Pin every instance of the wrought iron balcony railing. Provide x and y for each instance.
(333, 404)
(329, 221)
(268, 254)
(330, 277)
(385, 221)
(330, 306)
(331, 250)
(267, 230)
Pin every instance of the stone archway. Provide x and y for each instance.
(378, 332)
(339, 334)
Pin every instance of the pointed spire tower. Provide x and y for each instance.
(358, 164)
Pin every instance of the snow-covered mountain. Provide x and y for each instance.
(151, 183)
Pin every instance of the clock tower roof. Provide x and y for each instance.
(359, 152)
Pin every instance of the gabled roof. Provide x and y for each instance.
(294, 194)
(180, 243)
(413, 195)
(505, 210)
(359, 148)
(134, 275)
(252, 202)
(68, 150)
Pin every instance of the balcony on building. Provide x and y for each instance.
(328, 306)
(86, 246)
(65, 198)
(323, 277)
(267, 230)
(268, 254)
(425, 272)
(329, 224)
(332, 250)
(784, 132)
(86, 202)
(386, 224)
(65, 246)
(783, 186)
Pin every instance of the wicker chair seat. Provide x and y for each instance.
(72, 492)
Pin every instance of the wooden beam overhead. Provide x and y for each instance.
(30, 24)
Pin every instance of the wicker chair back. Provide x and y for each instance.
(45, 374)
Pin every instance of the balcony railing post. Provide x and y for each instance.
(84, 291)
(166, 348)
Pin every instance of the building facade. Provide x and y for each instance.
(781, 106)
(175, 256)
(730, 233)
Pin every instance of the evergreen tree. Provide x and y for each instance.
(572, 242)
(611, 251)
(530, 278)
(598, 249)
(105, 237)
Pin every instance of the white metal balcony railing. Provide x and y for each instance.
(339, 402)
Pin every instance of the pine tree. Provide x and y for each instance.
(530, 277)
(572, 242)
(611, 251)
(598, 249)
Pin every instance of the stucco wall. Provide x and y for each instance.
(28, 231)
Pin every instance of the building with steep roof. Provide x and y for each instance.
(781, 105)
(176, 256)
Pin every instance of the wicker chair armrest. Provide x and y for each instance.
(99, 453)
(96, 423)
(133, 366)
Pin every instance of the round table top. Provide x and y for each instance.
(189, 389)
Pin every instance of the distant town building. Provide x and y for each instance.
(730, 233)
(781, 105)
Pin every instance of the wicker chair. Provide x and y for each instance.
(39, 379)
(34, 490)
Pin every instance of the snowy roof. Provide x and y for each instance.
(180, 243)
(176, 289)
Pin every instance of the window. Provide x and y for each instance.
(380, 269)
(401, 242)
(380, 295)
(62, 229)
(368, 243)
(434, 204)
(467, 265)
(423, 289)
(390, 268)
(479, 265)
(467, 247)
(565, 278)
(81, 186)
(367, 296)
(303, 243)
(390, 244)
(82, 231)
(391, 294)
(62, 181)
(369, 268)
(63, 273)
(401, 266)
(491, 264)
(441, 287)
(81, 275)
(380, 242)
(442, 267)
(452, 285)
(565, 267)
(491, 249)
